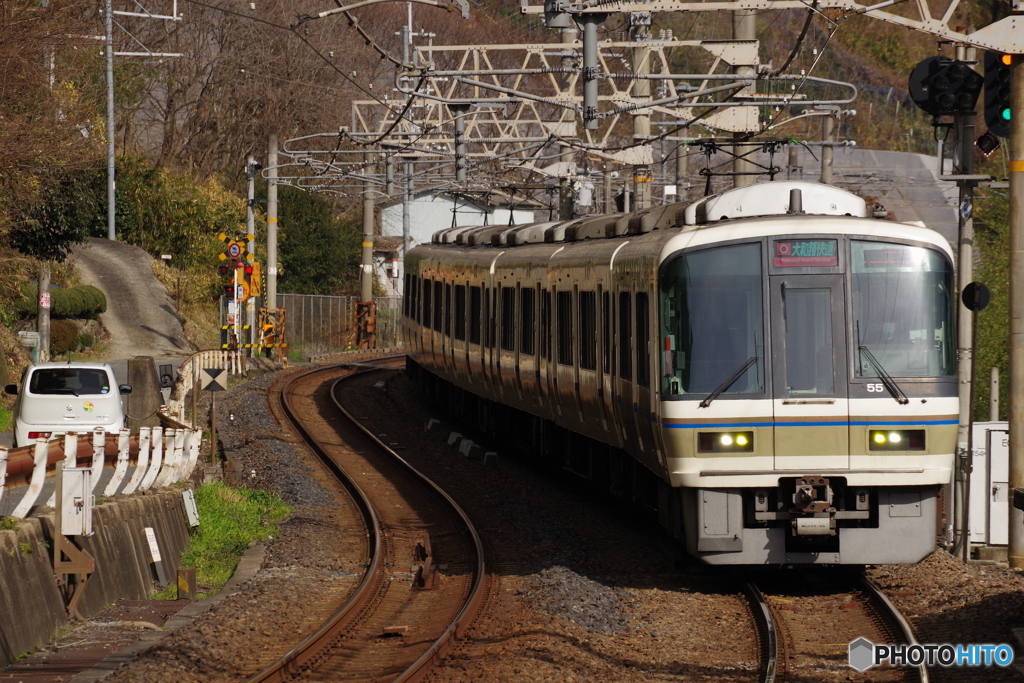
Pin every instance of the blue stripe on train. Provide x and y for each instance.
(841, 423)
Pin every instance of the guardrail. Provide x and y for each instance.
(160, 457)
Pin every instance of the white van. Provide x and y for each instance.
(56, 398)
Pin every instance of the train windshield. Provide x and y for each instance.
(712, 322)
(902, 310)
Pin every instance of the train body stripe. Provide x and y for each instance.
(841, 423)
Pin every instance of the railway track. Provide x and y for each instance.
(425, 576)
(807, 618)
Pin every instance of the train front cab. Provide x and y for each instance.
(808, 394)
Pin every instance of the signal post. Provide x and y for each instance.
(1016, 225)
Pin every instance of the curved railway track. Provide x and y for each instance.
(425, 576)
(806, 622)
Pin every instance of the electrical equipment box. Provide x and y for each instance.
(76, 501)
(991, 497)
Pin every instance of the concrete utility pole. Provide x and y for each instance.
(964, 165)
(272, 221)
(827, 126)
(609, 201)
(1016, 413)
(366, 274)
(43, 320)
(111, 206)
(251, 166)
(407, 206)
(744, 27)
(566, 206)
(641, 64)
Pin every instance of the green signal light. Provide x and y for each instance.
(1005, 113)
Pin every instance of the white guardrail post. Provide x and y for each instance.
(156, 457)
(142, 463)
(35, 486)
(123, 443)
(195, 442)
(99, 453)
(168, 465)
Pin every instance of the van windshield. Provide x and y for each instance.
(71, 381)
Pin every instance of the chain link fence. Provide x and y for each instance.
(318, 325)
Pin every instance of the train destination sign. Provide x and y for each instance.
(804, 253)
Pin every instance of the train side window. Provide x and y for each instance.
(625, 336)
(527, 318)
(545, 324)
(447, 309)
(405, 294)
(588, 330)
(492, 319)
(508, 315)
(414, 305)
(643, 341)
(606, 327)
(460, 312)
(428, 288)
(438, 293)
(563, 313)
(475, 315)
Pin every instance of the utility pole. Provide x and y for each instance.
(251, 166)
(1016, 413)
(744, 27)
(641, 64)
(272, 222)
(827, 126)
(43, 320)
(111, 206)
(964, 164)
(565, 201)
(409, 167)
(366, 275)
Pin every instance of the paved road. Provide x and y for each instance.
(140, 314)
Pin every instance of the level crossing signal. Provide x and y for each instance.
(942, 86)
(997, 92)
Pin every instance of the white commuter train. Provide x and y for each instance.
(769, 369)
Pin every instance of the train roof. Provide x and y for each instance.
(766, 199)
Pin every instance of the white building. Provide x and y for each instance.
(431, 211)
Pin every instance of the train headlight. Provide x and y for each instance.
(896, 440)
(725, 442)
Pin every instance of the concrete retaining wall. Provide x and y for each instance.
(31, 606)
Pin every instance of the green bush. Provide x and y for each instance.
(84, 301)
(85, 340)
(63, 337)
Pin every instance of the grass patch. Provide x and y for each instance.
(230, 518)
(6, 419)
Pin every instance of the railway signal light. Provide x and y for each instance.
(943, 86)
(997, 93)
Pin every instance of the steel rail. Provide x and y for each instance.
(419, 669)
(293, 662)
(876, 594)
(766, 623)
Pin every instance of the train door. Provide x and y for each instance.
(624, 395)
(643, 402)
(809, 375)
